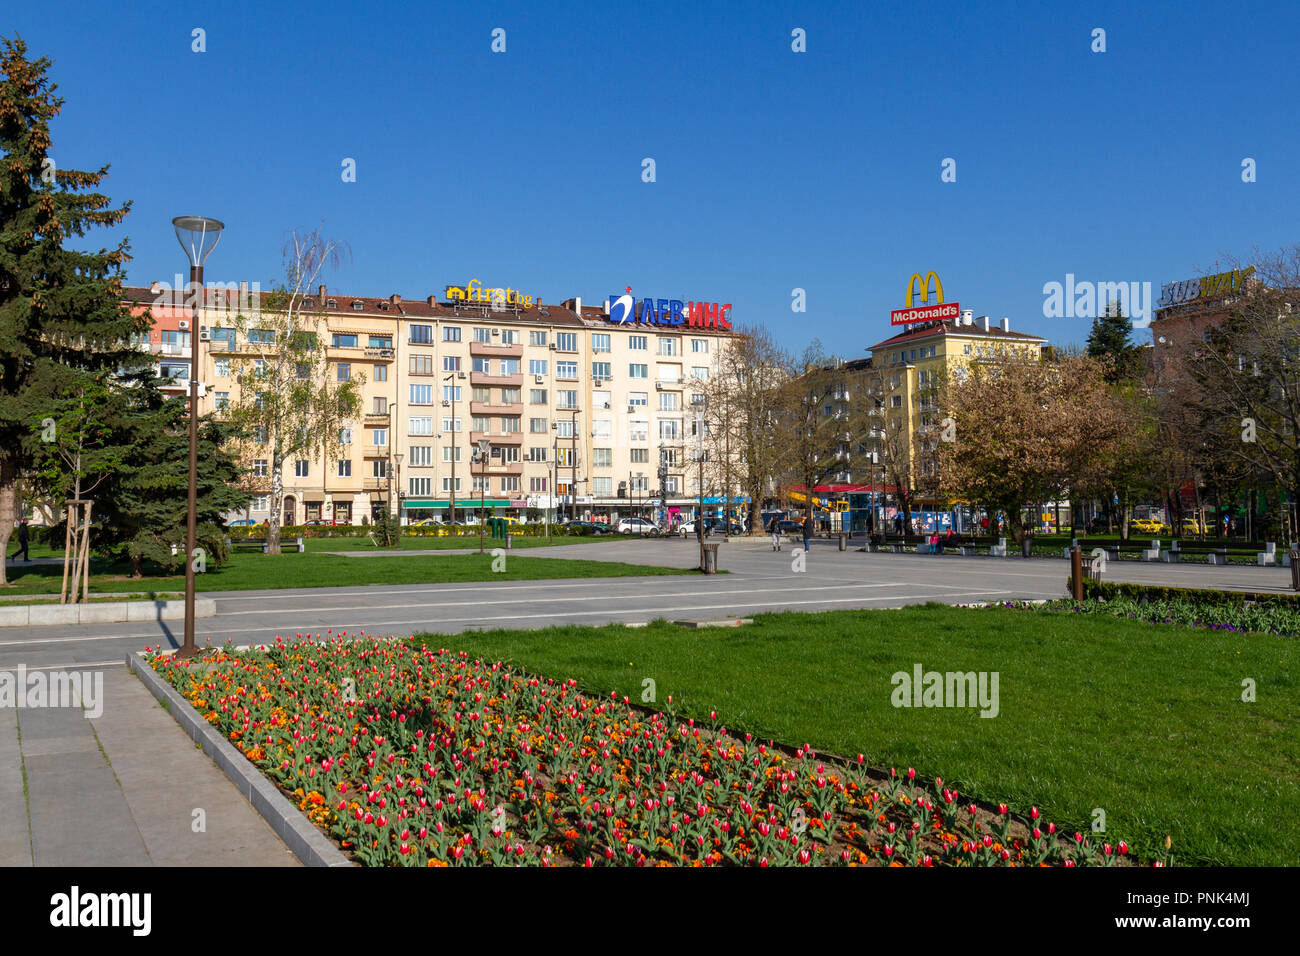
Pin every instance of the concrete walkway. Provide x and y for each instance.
(121, 789)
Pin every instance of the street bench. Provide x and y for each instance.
(237, 544)
(1175, 553)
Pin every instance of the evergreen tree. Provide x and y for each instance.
(61, 311)
(1109, 340)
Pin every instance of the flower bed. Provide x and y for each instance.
(412, 757)
(1281, 617)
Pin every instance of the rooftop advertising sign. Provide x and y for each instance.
(624, 310)
(924, 312)
(1206, 287)
(474, 292)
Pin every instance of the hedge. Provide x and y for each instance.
(1109, 590)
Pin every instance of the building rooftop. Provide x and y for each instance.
(955, 327)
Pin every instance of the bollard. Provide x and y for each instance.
(844, 542)
(1076, 572)
(1295, 569)
(510, 542)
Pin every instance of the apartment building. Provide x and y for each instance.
(578, 407)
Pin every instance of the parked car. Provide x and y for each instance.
(427, 522)
(636, 526)
(318, 522)
(245, 523)
(1149, 526)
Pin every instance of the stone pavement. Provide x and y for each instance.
(120, 789)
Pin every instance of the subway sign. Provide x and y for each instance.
(625, 310)
(925, 312)
(1206, 287)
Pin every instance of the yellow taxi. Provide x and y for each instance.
(1149, 526)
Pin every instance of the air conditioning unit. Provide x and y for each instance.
(552, 346)
(597, 382)
(555, 426)
(659, 386)
(446, 404)
(205, 334)
(538, 379)
(631, 408)
(460, 374)
(183, 324)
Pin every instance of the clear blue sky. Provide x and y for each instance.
(776, 170)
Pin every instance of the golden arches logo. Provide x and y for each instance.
(925, 287)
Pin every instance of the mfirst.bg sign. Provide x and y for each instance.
(1206, 287)
(474, 292)
(624, 310)
(924, 312)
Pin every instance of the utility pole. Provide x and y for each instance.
(451, 377)
(573, 462)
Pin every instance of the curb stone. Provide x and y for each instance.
(311, 846)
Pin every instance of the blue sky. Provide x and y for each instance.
(775, 170)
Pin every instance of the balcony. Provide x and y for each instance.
(487, 349)
(377, 418)
(511, 468)
(514, 438)
(502, 381)
(375, 451)
(485, 408)
(375, 484)
(383, 355)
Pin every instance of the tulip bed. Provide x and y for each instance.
(410, 756)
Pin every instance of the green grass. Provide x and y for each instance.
(432, 543)
(1143, 721)
(7, 599)
(254, 571)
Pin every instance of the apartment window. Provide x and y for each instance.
(510, 425)
(421, 394)
(601, 370)
(669, 430)
(344, 371)
(896, 401)
(668, 456)
(379, 437)
(451, 424)
(420, 486)
(261, 503)
(509, 336)
(668, 373)
(640, 484)
(345, 436)
(600, 341)
(566, 341)
(223, 401)
(451, 363)
(380, 342)
(483, 365)
(345, 467)
(218, 334)
(639, 430)
(670, 486)
(450, 453)
(446, 485)
(481, 393)
(482, 335)
(509, 483)
(537, 338)
(261, 336)
(668, 401)
(667, 346)
(507, 453)
(537, 366)
(895, 381)
(481, 483)
(451, 393)
(451, 333)
(537, 396)
(421, 364)
(601, 428)
(301, 469)
(537, 426)
(637, 399)
(221, 367)
(303, 370)
(345, 340)
(511, 396)
(420, 426)
(566, 369)
(381, 373)
(564, 429)
(259, 468)
(379, 468)
(259, 434)
(700, 373)
(421, 455)
(564, 457)
(602, 457)
(181, 372)
(640, 456)
(566, 399)
(965, 350)
(602, 487)
(637, 343)
(638, 371)
(699, 346)
(537, 454)
(698, 400)
(510, 366)
(481, 423)
(536, 485)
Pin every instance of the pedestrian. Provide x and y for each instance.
(1232, 528)
(775, 528)
(807, 533)
(24, 536)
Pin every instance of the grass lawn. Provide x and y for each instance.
(1145, 722)
(433, 543)
(253, 571)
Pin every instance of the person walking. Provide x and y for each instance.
(24, 536)
(807, 533)
(775, 529)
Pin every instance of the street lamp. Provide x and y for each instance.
(454, 391)
(194, 233)
(397, 458)
(481, 456)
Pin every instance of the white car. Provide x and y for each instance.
(636, 526)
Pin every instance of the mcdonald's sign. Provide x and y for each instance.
(924, 312)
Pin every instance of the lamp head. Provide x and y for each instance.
(198, 236)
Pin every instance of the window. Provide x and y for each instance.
(451, 363)
(537, 426)
(509, 336)
(450, 453)
(700, 373)
(446, 485)
(420, 486)
(698, 400)
(223, 401)
(640, 456)
(451, 333)
(451, 393)
(302, 371)
(602, 486)
(451, 424)
(219, 334)
(669, 430)
(566, 341)
(639, 430)
(510, 425)
(483, 365)
(259, 434)
(380, 342)
(537, 396)
(481, 393)
(222, 367)
(564, 429)
(566, 369)
(344, 371)
(510, 396)
(261, 337)
(262, 503)
(537, 366)
(421, 364)
(379, 468)
(174, 339)
(379, 437)
(345, 436)
(564, 457)
(668, 401)
(601, 428)
(896, 401)
(345, 340)
(637, 399)
(507, 453)
(537, 454)
(509, 483)
(510, 366)
(895, 381)
(483, 335)
(181, 372)
(537, 338)
(481, 483)
(601, 370)
(301, 469)
(670, 486)
(421, 455)
(602, 457)
(259, 468)
(637, 343)
(259, 368)
(421, 394)
(667, 346)
(381, 372)
(637, 371)
(345, 468)
(480, 423)
(668, 373)
(420, 426)
(699, 346)
(600, 341)
(536, 484)
(566, 399)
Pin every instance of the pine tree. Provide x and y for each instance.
(1109, 340)
(62, 315)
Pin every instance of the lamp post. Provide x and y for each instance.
(193, 233)
(481, 455)
(397, 458)
(573, 461)
(451, 377)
